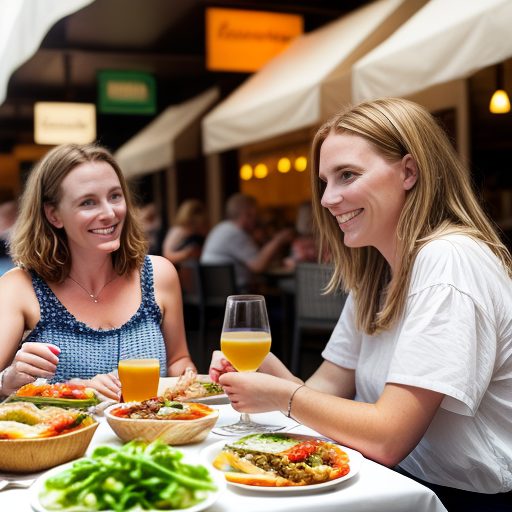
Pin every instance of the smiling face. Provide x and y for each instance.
(364, 191)
(92, 208)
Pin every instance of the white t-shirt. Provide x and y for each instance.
(228, 243)
(455, 337)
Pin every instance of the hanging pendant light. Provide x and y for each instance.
(500, 103)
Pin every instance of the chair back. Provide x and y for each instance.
(190, 280)
(311, 304)
(217, 282)
(314, 310)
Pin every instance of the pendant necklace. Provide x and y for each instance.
(95, 298)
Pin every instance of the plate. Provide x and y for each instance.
(218, 479)
(169, 382)
(210, 452)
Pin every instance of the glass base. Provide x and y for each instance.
(245, 426)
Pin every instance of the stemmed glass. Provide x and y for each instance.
(245, 342)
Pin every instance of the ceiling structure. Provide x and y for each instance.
(163, 37)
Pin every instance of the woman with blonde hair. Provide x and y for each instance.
(185, 238)
(84, 288)
(418, 371)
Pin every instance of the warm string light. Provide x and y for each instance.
(500, 103)
(283, 166)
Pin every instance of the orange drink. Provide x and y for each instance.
(139, 379)
(246, 350)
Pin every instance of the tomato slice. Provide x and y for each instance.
(302, 451)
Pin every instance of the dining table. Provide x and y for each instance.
(374, 487)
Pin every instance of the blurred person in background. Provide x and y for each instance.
(85, 289)
(185, 239)
(151, 223)
(231, 241)
(8, 214)
(417, 374)
(304, 247)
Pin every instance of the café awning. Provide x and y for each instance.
(23, 25)
(444, 41)
(305, 83)
(173, 135)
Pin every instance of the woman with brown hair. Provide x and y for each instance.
(84, 288)
(418, 371)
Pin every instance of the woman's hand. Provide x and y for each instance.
(33, 360)
(106, 384)
(257, 392)
(219, 365)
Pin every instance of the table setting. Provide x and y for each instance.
(373, 487)
(176, 443)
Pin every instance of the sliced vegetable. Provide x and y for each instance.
(65, 394)
(137, 476)
(59, 402)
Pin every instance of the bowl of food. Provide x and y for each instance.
(33, 439)
(172, 422)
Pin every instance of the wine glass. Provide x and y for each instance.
(245, 342)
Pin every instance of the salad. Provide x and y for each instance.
(137, 476)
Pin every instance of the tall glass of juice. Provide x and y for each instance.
(245, 342)
(139, 379)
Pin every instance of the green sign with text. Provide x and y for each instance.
(126, 92)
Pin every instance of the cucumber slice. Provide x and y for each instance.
(60, 402)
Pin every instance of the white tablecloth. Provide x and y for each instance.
(374, 488)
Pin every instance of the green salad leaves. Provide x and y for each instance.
(137, 476)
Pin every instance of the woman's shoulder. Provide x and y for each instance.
(458, 260)
(16, 277)
(458, 246)
(16, 286)
(163, 269)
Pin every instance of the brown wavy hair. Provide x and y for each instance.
(442, 201)
(39, 246)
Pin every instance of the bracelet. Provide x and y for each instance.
(288, 414)
(2, 373)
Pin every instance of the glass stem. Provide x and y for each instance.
(245, 418)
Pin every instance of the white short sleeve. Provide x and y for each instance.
(345, 341)
(446, 345)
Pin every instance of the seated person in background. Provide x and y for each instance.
(185, 239)
(231, 241)
(151, 223)
(84, 287)
(304, 247)
(8, 213)
(418, 370)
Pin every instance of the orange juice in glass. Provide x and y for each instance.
(245, 342)
(139, 378)
(246, 350)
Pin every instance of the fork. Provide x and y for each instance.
(16, 484)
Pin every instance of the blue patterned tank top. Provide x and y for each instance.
(86, 352)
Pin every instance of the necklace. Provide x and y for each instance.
(95, 298)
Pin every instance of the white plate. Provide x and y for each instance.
(210, 452)
(218, 479)
(169, 382)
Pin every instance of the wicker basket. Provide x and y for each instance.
(31, 455)
(173, 432)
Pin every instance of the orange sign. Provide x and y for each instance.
(244, 41)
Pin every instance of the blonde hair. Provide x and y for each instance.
(37, 245)
(191, 214)
(441, 201)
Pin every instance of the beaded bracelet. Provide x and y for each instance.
(288, 414)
